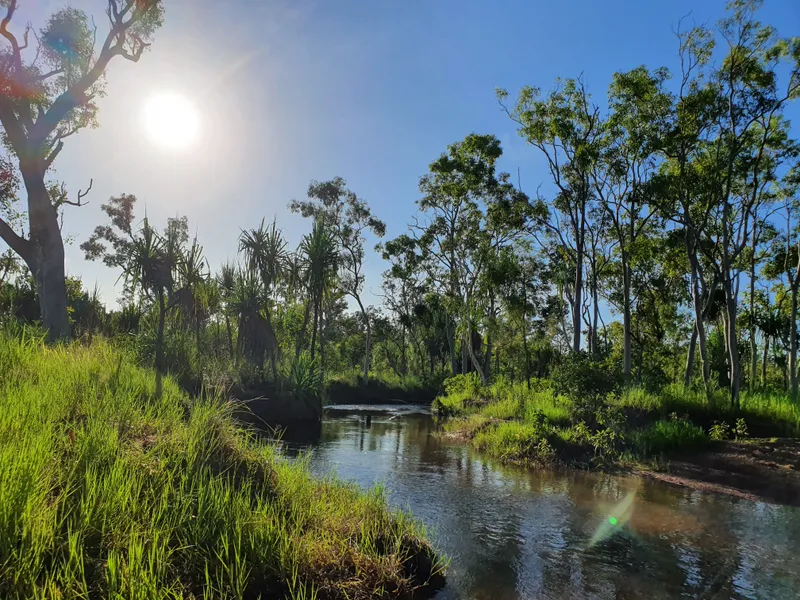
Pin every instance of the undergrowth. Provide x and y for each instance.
(586, 421)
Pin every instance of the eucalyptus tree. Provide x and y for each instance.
(738, 159)
(348, 217)
(638, 108)
(784, 263)
(49, 93)
(469, 213)
(565, 127)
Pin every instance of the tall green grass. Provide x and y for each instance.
(108, 491)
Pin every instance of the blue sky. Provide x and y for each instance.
(371, 90)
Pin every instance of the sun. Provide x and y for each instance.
(171, 121)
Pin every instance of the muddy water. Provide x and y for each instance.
(521, 533)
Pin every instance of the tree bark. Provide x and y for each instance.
(230, 333)
(753, 348)
(301, 338)
(578, 300)
(764, 364)
(159, 362)
(368, 338)
(699, 316)
(732, 343)
(451, 344)
(793, 345)
(46, 256)
(527, 353)
(626, 318)
(689, 373)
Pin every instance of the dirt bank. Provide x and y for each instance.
(759, 469)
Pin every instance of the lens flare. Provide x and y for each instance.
(616, 519)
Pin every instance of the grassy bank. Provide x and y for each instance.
(539, 425)
(107, 491)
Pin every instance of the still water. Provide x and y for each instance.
(521, 533)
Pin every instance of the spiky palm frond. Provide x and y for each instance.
(265, 250)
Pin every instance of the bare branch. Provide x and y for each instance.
(63, 198)
(16, 242)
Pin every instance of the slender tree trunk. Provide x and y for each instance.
(527, 353)
(697, 303)
(464, 354)
(753, 348)
(451, 344)
(578, 300)
(301, 338)
(159, 363)
(626, 318)
(764, 364)
(487, 360)
(473, 358)
(314, 327)
(732, 343)
(368, 338)
(230, 334)
(793, 344)
(689, 373)
(595, 309)
(322, 339)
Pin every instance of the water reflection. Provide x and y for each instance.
(516, 533)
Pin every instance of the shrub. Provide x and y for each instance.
(582, 379)
(719, 431)
(468, 385)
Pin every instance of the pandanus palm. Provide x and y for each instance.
(195, 296)
(320, 257)
(148, 270)
(226, 283)
(255, 339)
(265, 251)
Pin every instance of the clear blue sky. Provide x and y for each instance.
(372, 90)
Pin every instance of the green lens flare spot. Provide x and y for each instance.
(612, 520)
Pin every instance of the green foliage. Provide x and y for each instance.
(305, 378)
(583, 379)
(516, 442)
(719, 431)
(740, 429)
(108, 489)
(668, 436)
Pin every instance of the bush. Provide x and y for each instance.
(674, 435)
(582, 379)
(304, 379)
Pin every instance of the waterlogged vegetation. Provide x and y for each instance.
(108, 489)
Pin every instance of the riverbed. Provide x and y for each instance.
(530, 533)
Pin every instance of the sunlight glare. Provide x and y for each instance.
(171, 121)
